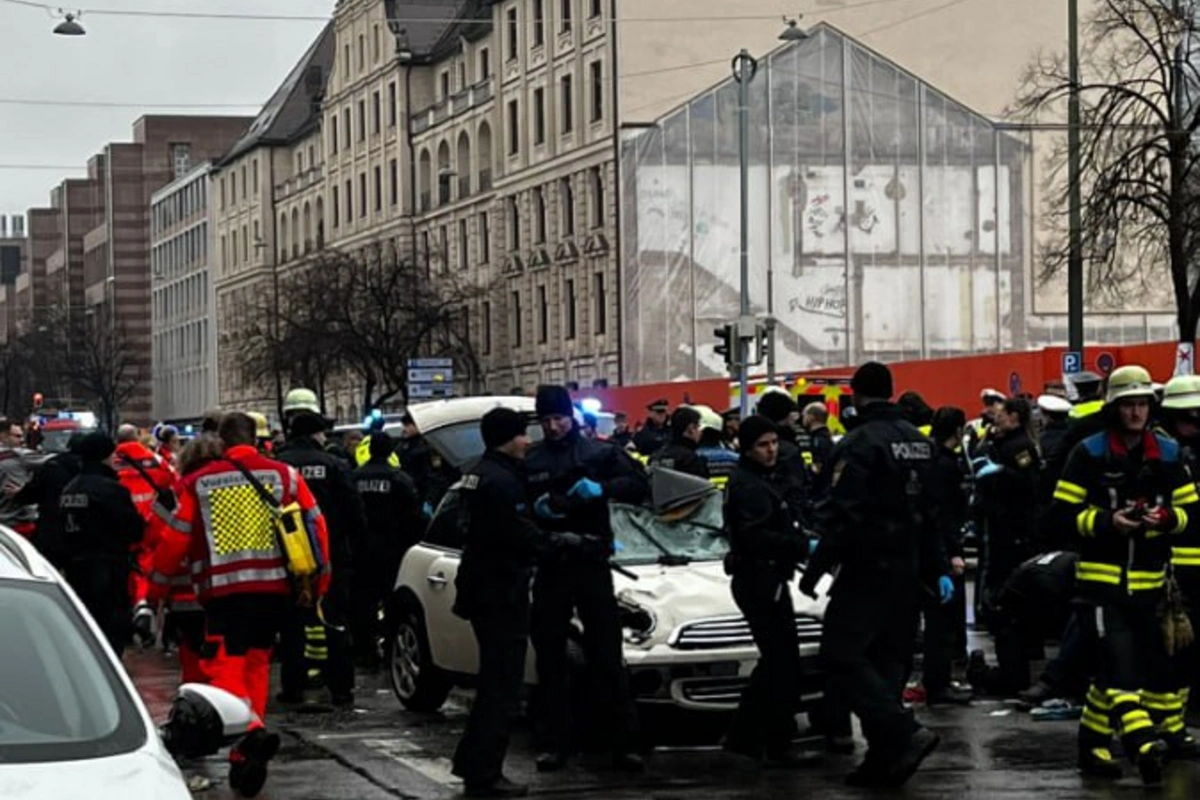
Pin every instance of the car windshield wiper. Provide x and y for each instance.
(668, 558)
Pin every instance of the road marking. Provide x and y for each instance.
(436, 769)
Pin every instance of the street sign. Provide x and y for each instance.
(1105, 362)
(431, 363)
(430, 378)
(1072, 362)
(430, 391)
(426, 375)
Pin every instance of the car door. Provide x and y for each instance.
(451, 640)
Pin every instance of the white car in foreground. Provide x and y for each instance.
(686, 643)
(71, 723)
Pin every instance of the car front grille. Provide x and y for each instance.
(734, 631)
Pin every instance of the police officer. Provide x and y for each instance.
(1006, 492)
(1127, 494)
(719, 460)
(502, 543)
(622, 437)
(816, 442)
(45, 490)
(394, 524)
(655, 433)
(680, 454)
(571, 480)
(323, 634)
(766, 544)
(1085, 418)
(874, 527)
(101, 524)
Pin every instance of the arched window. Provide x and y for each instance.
(464, 166)
(445, 173)
(426, 170)
(295, 233)
(485, 158)
(307, 229)
(320, 224)
(283, 237)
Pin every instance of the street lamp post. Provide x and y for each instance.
(1074, 191)
(744, 68)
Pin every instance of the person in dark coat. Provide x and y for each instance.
(875, 527)
(502, 544)
(655, 433)
(329, 481)
(571, 481)
(100, 525)
(680, 454)
(816, 445)
(44, 490)
(394, 524)
(779, 407)
(1052, 438)
(766, 544)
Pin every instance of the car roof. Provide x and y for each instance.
(20, 560)
(440, 413)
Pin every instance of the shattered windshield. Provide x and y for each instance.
(641, 536)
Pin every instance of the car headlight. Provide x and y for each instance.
(637, 621)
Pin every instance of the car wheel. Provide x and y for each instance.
(416, 682)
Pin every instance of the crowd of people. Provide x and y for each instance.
(1081, 514)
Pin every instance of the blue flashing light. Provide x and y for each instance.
(591, 405)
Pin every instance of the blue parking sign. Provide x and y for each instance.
(1072, 362)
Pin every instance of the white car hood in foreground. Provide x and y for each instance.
(700, 590)
(145, 774)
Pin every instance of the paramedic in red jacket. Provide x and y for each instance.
(224, 532)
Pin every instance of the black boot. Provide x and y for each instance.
(1150, 759)
(1098, 762)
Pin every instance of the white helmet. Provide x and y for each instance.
(301, 400)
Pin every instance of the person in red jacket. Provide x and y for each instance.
(145, 475)
(223, 532)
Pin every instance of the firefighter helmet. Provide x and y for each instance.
(301, 400)
(1128, 382)
(261, 429)
(709, 419)
(1182, 392)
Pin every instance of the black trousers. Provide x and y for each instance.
(374, 577)
(867, 648)
(103, 587)
(586, 589)
(1068, 672)
(765, 718)
(938, 643)
(502, 635)
(305, 638)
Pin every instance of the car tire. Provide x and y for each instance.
(416, 682)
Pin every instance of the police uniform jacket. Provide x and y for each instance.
(554, 467)
(329, 481)
(876, 522)
(950, 489)
(99, 517)
(681, 455)
(393, 512)
(651, 438)
(1008, 499)
(1102, 477)
(764, 530)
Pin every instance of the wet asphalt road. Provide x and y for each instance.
(378, 751)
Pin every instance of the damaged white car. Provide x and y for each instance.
(686, 643)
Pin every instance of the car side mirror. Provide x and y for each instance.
(203, 719)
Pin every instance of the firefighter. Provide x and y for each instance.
(262, 432)
(101, 525)
(680, 453)
(655, 433)
(224, 533)
(299, 400)
(571, 481)
(1006, 483)
(719, 460)
(148, 477)
(309, 636)
(362, 451)
(502, 543)
(393, 524)
(766, 544)
(874, 525)
(1127, 494)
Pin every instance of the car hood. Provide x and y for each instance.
(143, 773)
(700, 590)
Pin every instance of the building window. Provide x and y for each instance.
(233, 237)
(567, 198)
(254, 174)
(245, 245)
(514, 225)
(346, 61)
(597, 181)
(485, 64)
(245, 183)
(333, 135)
(392, 104)
(514, 128)
(346, 124)
(362, 53)
(487, 328)
(362, 195)
(565, 16)
(362, 120)
(462, 75)
(379, 188)
(444, 83)
(597, 70)
(512, 34)
(485, 238)
(349, 202)
(570, 308)
(222, 194)
(539, 23)
(596, 9)
(444, 246)
(601, 304)
(375, 44)
(425, 251)
(224, 253)
(539, 116)
(181, 159)
(394, 182)
(567, 113)
(463, 244)
(539, 217)
(516, 319)
(376, 113)
(543, 316)
(337, 208)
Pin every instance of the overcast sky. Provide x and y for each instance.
(133, 61)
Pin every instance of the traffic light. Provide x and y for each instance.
(726, 343)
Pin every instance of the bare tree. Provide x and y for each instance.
(104, 364)
(1139, 178)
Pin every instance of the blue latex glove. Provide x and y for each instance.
(989, 467)
(812, 545)
(542, 508)
(945, 589)
(586, 489)
(427, 510)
